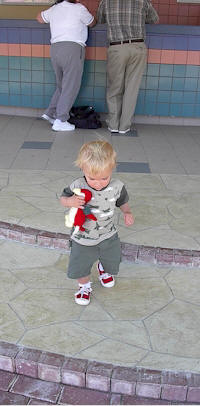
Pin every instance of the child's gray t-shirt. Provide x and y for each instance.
(102, 205)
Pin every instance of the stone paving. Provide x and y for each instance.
(151, 318)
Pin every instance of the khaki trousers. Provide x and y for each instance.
(125, 67)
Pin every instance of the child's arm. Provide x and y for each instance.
(73, 201)
(128, 216)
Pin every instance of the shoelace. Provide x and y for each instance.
(105, 275)
(83, 290)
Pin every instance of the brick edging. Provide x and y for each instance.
(155, 384)
(130, 252)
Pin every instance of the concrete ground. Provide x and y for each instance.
(151, 318)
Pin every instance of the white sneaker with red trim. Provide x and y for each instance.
(82, 297)
(106, 279)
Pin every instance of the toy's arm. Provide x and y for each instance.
(73, 201)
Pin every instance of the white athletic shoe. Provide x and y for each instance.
(62, 126)
(47, 118)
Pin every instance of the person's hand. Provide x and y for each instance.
(128, 219)
(76, 201)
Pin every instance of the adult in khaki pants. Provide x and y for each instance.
(126, 57)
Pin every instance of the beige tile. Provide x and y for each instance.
(162, 361)
(10, 286)
(11, 328)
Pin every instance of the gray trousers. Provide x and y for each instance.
(125, 67)
(68, 60)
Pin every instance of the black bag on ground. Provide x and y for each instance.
(84, 117)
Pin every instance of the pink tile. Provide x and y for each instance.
(13, 49)
(167, 56)
(47, 51)
(4, 49)
(180, 57)
(101, 53)
(193, 58)
(38, 50)
(25, 49)
(90, 53)
(154, 56)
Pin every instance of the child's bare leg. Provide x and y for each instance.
(84, 280)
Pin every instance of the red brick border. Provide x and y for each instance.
(130, 252)
(157, 385)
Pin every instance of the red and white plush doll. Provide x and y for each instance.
(76, 217)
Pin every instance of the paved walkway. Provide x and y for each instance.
(151, 318)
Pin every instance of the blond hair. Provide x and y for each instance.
(97, 156)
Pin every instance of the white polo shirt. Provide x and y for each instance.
(68, 22)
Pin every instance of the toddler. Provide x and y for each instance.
(99, 241)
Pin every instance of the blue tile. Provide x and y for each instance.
(47, 100)
(162, 109)
(4, 87)
(47, 64)
(47, 36)
(38, 102)
(99, 92)
(26, 101)
(25, 63)
(14, 88)
(26, 88)
(151, 96)
(143, 82)
(175, 110)
(168, 42)
(193, 43)
(139, 109)
(179, 71)
(25, 35)
(177, 97)
(189, 97)
(101, 39)
(3, 74)
(192, 71)
(91, 41)
(155, 42)
(141, 96)
(89, 65)
(15, 100)
(4, 35)
(100, 79)
(164, 96)
(99, 106)
(14, 62)
(37, 36)
(153, 69)
(49, 77)
(133, 167)
(3, 62)
(37, 63)
(13, 36)
(88, 79)
(4, 99)
(14, 75)
(37, 89)
(166, 70)
(191, 84)
(86, 91)
(26, 76)
(49, 89)
(165, 83)
(181, 43)
(188, 110)
(100, 66)
(37, 76)
(150, 109)
(178, 83)
(152, 82)
(197, 110)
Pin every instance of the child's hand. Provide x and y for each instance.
(128, 219)
(76, 201)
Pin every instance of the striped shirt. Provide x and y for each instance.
(126, 19)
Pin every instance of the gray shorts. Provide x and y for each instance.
(82, 257)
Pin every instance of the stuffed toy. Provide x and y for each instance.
(76, 217)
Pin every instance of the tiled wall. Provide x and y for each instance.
(170, 85)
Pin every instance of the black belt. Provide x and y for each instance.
(127, 41)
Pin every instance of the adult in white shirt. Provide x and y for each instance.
(69, 21)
